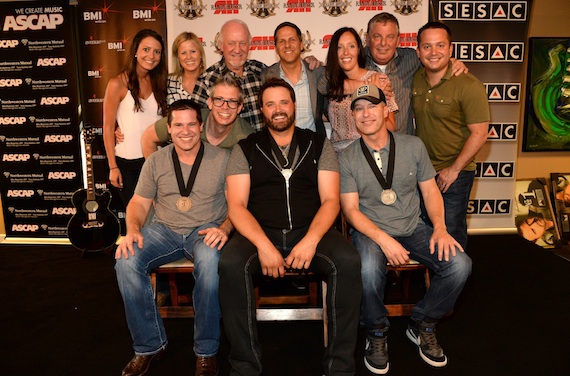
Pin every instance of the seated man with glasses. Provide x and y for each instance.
(222, 127)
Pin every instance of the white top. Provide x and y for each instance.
(133, 123)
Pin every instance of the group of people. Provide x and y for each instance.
(247, 184)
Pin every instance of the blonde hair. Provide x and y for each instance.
(181, 38)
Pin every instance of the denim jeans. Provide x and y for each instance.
(456, 200)
(161, 246)
(335, 259)
(448, 279)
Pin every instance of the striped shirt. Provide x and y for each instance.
(250, 84)
(401, 71)
(304, 114)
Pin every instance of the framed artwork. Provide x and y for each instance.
(534, 216)
(547, 113)
(560, 183)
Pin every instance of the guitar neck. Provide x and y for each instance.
(90, 178)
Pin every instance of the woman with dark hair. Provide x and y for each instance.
(134, 98)
(345, 71)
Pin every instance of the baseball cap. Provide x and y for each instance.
(369, 92)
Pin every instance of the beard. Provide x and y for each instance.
(281, 126)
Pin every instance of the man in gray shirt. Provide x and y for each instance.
(186, 182)
(380, 200)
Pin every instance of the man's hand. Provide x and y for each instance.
(395, 253)
(272, 263)
(313, 62)
(214, 236)
(126, 246)
(458, 67)
(301, 255)
(445, 243)
(445, 178)
(119, 136)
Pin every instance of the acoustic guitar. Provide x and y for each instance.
(93, 227)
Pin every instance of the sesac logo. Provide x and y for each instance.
(51, 62)
(15, 157)
(495, 169)
(25, 228)
(483, 10)
(23, 193)
(12, 120)
(503, 92)
(58, 175)
(9, 43)
(49, 101)
(57, 138)
(489, 51)
(32, 22)
(500, 206)
(63, 211)
(502, 132)
(11, 82)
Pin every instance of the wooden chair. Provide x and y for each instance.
(404, 307)
(180, 306)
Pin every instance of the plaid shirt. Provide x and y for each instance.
(250, 83)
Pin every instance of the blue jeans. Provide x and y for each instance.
(448, 279)
(335, 260)
(161, 246)
(456, 200)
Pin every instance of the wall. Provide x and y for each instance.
(549, 18)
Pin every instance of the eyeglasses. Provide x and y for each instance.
(219, 102)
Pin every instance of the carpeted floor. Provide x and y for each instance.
(63, 315)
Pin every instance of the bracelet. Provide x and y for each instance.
(112, 168)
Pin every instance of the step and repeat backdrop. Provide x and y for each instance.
(60, 56)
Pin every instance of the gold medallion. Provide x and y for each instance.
(183, 204)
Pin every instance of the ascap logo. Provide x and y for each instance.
(500, 206)
(142, 14)
(9, 43)
(489, 51)
(502, 131)
(54, 100)
(51, 61)
(12, 120)
(15, 157)
(262, 43)
(494, 169)
(226, 7)
(26, 193)
(11, 82)
(93, 16)
(503, 92)
(25, 228)
(56, 138)
(483, 10)
(298, 6)
(32, 22)
(63, 211)
(58, 175)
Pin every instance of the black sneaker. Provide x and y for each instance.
(423, 335)
(376, 351)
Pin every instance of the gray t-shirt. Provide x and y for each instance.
(412, 165)
(158, 181)
(238, 163)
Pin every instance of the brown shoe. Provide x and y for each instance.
(206, 366)
(139, 364)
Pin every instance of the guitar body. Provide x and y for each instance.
(93, 227)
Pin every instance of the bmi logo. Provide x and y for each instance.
(489, 51)
(503, 92)
(494, 169)
(491, 206)
(483, 10)
(502, 132)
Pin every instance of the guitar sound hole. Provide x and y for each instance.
(91, 206)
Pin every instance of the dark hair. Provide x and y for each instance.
(434, 25)
(383, 18)
(287, 24)
(228, 79)
(333, 72)
(158, 76)
(275, 82)
(184, 104)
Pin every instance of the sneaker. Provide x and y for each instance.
(423, 335)
(376, 351)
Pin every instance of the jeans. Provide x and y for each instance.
(448, 279)
(335, 259)
(456, 200)
(161, 246)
